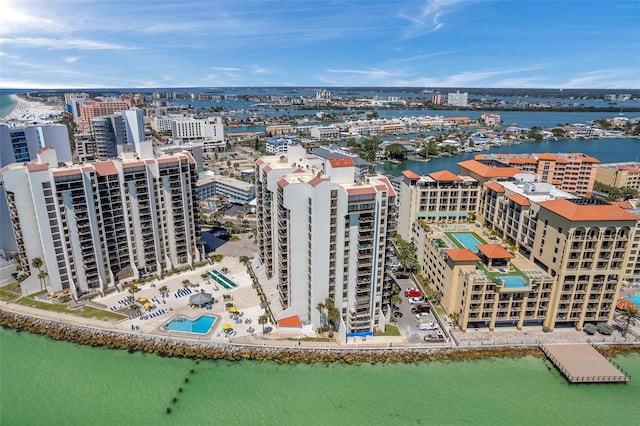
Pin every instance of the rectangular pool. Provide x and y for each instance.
(201, 325)
(467, 239)
(635, 299)
(514, 281)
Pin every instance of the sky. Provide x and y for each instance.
(325, 43)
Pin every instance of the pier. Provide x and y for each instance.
(582, 363)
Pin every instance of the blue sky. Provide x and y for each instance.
(428, 43)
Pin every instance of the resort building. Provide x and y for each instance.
(280, 145)
(98, 108)
(160, 123)
(96, 224)
(619, 174)
(325, 132)
(279, 130)
(117, 133)
(21, 144)
(575, 173)
(491, 120)
(438, 197)
(323, 233)
(548, 258)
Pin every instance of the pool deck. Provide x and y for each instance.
(582, 363)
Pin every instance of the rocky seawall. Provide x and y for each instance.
(175, 347)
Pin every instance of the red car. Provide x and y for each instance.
(412, 292)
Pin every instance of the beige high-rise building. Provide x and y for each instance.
(619, 174)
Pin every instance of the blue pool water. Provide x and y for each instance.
(201, 325)
(635, 299)
(467, 240)
(513, 281)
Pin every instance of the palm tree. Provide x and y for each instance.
(41, 276)
(262, 319)
(133, 290)
(455, 316)
(333, 313)
(36, 262)
(629, 314)
(320, 308)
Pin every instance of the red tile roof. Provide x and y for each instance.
(495, 251)
(462, 255)
(67, 172)
(578, 213)
(519, 199)
(361, 191)
(317, 181)
(496, 187)
(37, 167)
(410, 175)
(444, 175)
(341, 162)
(105, 168)
(293, 321)
(43, 149)
(488, 171)
(282, 183)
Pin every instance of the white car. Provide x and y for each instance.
(415, 300)
(422, 315)
(428, 326)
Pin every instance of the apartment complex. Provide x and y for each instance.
(548, 257)
(573, 172)
(323, 233)
(439, 196)
(619, 174)
(458, 99)
(20, 145)
(96, 224)
(209, 130)
(236, 191)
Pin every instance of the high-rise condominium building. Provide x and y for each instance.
(20, 145)
(208, 130)
(99, 108)
(323, 233)
(96, 224)
(458, 99)
(117, 133)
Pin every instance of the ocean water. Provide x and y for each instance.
(6, 104)
(605, 150)
(53, 382)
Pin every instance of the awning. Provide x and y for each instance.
(462, 214)
(443, 215)
(453, 214)
(431, 215)
(200, 299)
(422, 215)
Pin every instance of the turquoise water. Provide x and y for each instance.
(6, 104)
(513, 281)
(467, 240)
(54, 383)
(200, 325)
(635, 298)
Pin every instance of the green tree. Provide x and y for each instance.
(396, 151)
(406, 253)
(262, 320)
(37, 263)
(369, 148)
(629, 315)
(41, 276)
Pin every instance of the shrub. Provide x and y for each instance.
(590, 329)
(605, 329)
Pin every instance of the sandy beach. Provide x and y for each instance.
(25, 112)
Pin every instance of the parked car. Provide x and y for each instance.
(412, 292)
(397, 314)
(428, 326)
(415, 300)
(420, 308)
(421, 315)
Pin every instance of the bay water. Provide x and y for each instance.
(54, 383)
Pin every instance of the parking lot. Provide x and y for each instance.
(408, 324)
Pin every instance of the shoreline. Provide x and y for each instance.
(188, 348)
(27, 111)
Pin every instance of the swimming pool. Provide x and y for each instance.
(514, 281)
(467, 240)
(635, 299)
(201, 325)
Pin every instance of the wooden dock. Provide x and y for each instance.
(582, 363)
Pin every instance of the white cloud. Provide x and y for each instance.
(63, 43)
(13, 20)
(71, 59)
(429, 18)
(613, 78)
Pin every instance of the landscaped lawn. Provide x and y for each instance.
(84, 311)
(390, 330)
(10, 291)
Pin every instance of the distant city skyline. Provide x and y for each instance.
(432, 43)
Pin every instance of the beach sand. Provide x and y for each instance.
(31, 112)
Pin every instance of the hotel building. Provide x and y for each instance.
(439, 196)
(99, 108)
(323, 233)
(549, 257)
(96, 224)
(619, 174)
(575, 173)
(209, 130)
